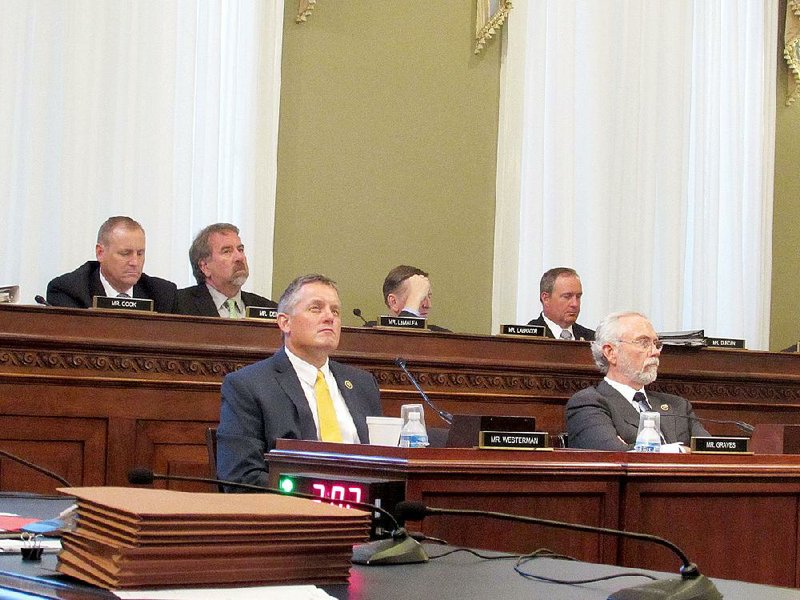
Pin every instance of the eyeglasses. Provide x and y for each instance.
(645, 343)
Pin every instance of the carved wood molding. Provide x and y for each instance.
(120, 364)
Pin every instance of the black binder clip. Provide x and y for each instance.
(33, 551)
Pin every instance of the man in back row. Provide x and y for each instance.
(219, 265)
(117, 272)
(560, 292)
(407, 293)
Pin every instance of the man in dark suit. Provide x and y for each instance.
(560, 293)
(606, 417)
(407, 293)
(117, 272)
(219, 265)
(298, 393)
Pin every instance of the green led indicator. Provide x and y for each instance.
(286, 485)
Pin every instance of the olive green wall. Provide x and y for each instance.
(784, 322)
(387, 151)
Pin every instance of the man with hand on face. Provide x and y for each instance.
(560, 293)
(606, 417)
(117, 272)
(219, 265)
(298, 393)
(407, 293)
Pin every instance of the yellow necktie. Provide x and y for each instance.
(328, 423)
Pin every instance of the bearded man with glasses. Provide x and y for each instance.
(606, 417)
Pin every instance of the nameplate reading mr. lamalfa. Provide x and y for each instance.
(720, 445)
(261, 312)
(110, 303)
(523, 330)
(404, 322)
(514, 440)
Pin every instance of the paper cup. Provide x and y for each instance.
(384, 431)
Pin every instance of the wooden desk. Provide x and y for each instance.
(92, 394)
(735, 516)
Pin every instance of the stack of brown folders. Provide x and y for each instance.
(137, 537)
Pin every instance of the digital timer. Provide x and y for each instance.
(385, 493)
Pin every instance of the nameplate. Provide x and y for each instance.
(261, 312)
(517, 440)
(109, 303)
(523, 330)
(724, 342)
(720, 445)
(403, 322)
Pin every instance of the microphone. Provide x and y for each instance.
(446, 416)
(357, 312)
(399, 549)
(30, 465)
(40, 300)
(745, 427)
(692, 585)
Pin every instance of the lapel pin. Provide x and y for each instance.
(665, 407)
(348, 384)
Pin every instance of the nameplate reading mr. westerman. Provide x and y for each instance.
(111, 303)
(404, 322)
(261, 312)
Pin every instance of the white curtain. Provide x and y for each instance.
(163, 110)
(636, 145)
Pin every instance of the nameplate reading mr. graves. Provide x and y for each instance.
(110, 303)
(261, 312)
(523, 330)
(404, 322)
(724, 342)
(720, 445)
(514, 440)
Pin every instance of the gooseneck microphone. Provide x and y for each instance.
(357, 312)
(691, 585)
(35, 467)
(399, 549)
(745, 427)
(40, 300)
(446, 416)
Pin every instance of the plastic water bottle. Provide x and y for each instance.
(648, 439)
(413, 434)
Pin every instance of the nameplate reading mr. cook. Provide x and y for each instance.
(261, 312)
(720, 445)
(108, 303)
(514, 440)
(523, 330)
(404, 322)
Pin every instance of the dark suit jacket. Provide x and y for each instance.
(405, 313)
(77, 288)
(579, 331)
(265, 401)
(197, 301)
(597, 415)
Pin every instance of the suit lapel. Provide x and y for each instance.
(629, 414)
(664, 407)
(204, 302)
(96, 286)
(289, 382)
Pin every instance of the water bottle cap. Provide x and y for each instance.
(649, 423)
